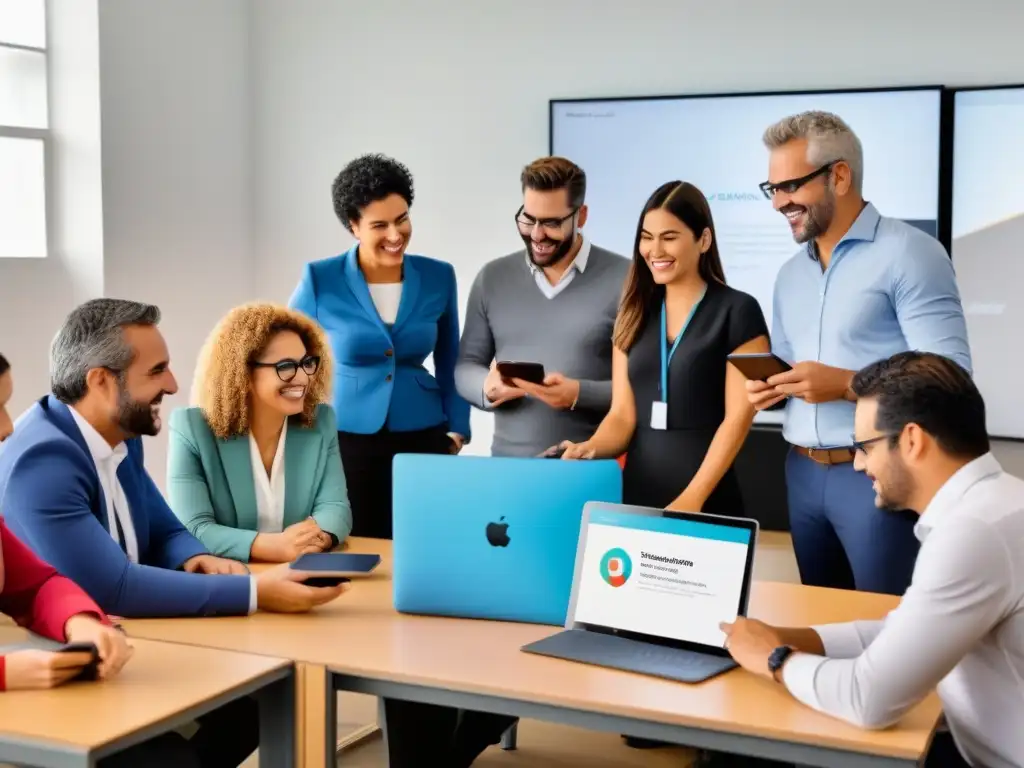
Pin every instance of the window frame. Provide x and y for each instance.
(40, 134)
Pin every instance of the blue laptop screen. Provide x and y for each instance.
(662, 577)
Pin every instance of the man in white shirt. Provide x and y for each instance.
(74, 488)
(920, 436)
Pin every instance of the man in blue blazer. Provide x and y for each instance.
(73, 487)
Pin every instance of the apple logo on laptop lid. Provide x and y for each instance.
(497, 533)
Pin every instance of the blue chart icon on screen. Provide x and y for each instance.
(616, 567)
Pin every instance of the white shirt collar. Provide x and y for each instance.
(579, 263)
(98, 446)
(946, 501)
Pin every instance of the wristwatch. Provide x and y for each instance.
(777, 658)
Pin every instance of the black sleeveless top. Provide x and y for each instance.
(661, 463)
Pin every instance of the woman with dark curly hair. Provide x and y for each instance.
(385, 311)
(253, 470)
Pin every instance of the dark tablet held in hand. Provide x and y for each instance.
(759, 366)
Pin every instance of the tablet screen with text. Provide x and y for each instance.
(662, 577)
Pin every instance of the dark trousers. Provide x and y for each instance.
(428, 734)
(840, 537)
(225, 739)
(367, 463)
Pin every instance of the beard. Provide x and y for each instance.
(894, 494)
(819, 218)
(562, 248)
(136, 418)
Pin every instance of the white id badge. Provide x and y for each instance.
(659, 415)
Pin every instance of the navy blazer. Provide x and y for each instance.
(379, 374)
(51, 498)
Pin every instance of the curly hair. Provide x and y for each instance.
(366, 180)
(221, 385)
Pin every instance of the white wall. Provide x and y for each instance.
(36, 294)
(458, 90)
(176, 168)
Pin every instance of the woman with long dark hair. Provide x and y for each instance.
(679, 410)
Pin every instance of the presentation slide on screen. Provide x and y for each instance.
(988, 229)
(660, 576)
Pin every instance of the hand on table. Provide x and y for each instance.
(280, 590)
(497, 390)
(210, 564)
(750, 643)
(570, 450)
(557, 391)
(112, 644)
(301, 538)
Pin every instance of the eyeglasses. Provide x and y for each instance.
(860, 446)
(792, 185)
(287, 369)
(525, 222)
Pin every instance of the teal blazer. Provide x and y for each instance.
(211, 488)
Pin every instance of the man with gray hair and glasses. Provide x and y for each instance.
(862, 287)
(73, 487)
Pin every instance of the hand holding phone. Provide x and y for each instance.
(36, 669)
(91, 670)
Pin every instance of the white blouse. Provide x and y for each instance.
(269, 489)
(386, 298)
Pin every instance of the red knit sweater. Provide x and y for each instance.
(35, 595)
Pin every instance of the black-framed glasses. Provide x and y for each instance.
(525, 222)
(287, 369)
(860, 446)
(789, 186)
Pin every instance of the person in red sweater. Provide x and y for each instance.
(39, 599)
(48, 604)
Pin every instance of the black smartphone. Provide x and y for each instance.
(513, 369)
(326, 581)
(759, 366)
(91, 670)
(554, 452)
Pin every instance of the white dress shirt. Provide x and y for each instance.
(269, 488)
(386, 298)
(960, 626)
(579, 264)
(107, 460)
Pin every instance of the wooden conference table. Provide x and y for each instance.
(364, 646)
(163, 686)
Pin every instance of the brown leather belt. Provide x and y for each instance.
(827, 456)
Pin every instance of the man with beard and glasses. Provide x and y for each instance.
(73, 487)
(920, 438)
(553, 303)
(862, 288)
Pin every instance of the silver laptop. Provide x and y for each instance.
(650, 589)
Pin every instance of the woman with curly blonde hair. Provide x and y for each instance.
(254, 470)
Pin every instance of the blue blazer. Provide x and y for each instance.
(51, 498)
(379, 376)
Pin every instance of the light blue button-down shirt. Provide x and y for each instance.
(889, 288)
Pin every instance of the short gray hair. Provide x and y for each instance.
(93, 337)
(829, 139)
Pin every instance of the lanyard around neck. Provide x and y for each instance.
(666, 353)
